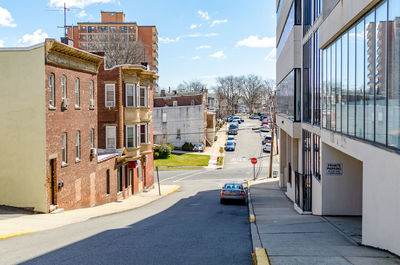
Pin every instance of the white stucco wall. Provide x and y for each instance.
(381, 186)
(341, 194)
(189, 119)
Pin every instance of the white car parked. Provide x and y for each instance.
(267, 147)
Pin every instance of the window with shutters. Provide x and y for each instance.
(110, 95)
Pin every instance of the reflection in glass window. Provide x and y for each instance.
(393, 74)
(345, 87)
(370, 76)
(380, 73)
(352, 81)
(359, 96)
(338, 96)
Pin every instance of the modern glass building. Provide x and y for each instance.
(338, 111)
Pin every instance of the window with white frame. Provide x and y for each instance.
(148, 97)
(78, 145)
(111, 139)
(52, 92)
(77, 93)
(142, 99)
(91, 138)
(164, 117)
(64, 148)
(131, 136)
(91, 91)
(110, 95)
(143, 134)
(63, 87)
(130, 95)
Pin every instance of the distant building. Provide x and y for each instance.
(91, 35)
(181, 118)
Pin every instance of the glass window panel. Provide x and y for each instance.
(369, 76)
(51, 88)
(77, 92)
(345, 82)
(380, 73)
(129, 95)
(324, 88)
(359, 98)
(338, 95)
(333, 88)
(352, 81)
(129, 136)
(393, 74)
(328, 86)
(307, 51)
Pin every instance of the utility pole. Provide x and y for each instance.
(272, 137)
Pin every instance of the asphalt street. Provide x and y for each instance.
(187, 227)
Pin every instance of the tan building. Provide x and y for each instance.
(91, 36)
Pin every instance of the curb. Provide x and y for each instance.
(93, 217)
(17, 234)
(126, 210)
(260, 255)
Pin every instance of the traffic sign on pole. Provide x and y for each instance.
(254, 160)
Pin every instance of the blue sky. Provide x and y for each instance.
(198, 39)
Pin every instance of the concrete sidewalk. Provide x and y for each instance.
(213, 151)
(290, 238)
(33, 223)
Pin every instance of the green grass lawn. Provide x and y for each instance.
(183, 160)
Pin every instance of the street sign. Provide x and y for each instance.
(254, 160)
(221, 150)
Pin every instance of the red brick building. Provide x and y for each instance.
(125, 124)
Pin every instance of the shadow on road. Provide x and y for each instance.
(196, 230)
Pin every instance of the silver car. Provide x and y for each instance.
(233, 191)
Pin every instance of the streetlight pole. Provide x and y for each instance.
(272, 137)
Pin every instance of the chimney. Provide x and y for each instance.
(174, 92)
(163, 92)
(169, 89)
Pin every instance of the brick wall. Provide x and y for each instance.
(76, 174)
(106, 116)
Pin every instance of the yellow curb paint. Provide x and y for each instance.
(17, 234)
(260, 257)
(252, 218)
(172, 191)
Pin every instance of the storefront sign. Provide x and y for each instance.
(334, 169)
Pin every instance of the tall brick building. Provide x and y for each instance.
(86, 35)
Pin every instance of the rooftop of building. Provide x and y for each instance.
(181, 100)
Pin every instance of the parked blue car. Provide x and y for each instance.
(230, 146)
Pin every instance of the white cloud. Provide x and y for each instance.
(1, 43)
(6, 19)
(195, 26)
(82, 14)
(76, 3)
(196, 57)
(168, 40)
(30, 39)
(254, 42)
(203, 47)
(216, 22)
(219, 55)
(271, 57)
(203, 14)
(196, 35)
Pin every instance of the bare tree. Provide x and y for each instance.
(252, 91)
(191, 86)
(119, 48)
(228, 94)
